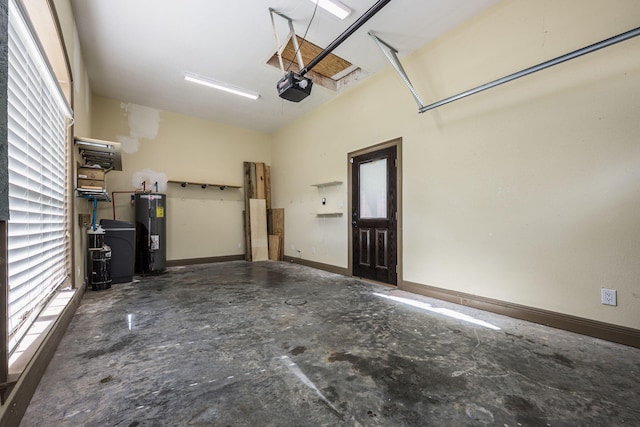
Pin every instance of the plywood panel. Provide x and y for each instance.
(276, 221)
(259, 183)
(248, 184)
(247, 235)
(259, 240)
(328, 67)
(267, 186)
(253, 194)
(274, 247)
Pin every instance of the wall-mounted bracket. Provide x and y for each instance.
(204, 185)
(392, 56)
(98, 152)
(280, 46)
(390, 53)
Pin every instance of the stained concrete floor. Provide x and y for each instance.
(277, 344)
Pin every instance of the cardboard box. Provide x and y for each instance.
(90, 173)
(92, 184)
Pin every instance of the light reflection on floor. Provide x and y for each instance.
(30, 342)
(444, 311)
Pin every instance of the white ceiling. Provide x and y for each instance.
(138, 50)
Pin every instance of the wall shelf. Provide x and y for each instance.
(93, 197)
(327, 213)
(204, 184)
(99, 152)
(327, 184)
(99, 195)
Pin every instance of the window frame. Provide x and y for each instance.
(66, 98)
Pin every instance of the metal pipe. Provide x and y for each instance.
(560, 59)
(275, 34)
(296, 46)
(392, 57)
(280, 47)
(94, 216)
(345, 35)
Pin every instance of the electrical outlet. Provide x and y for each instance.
(84, 220)
(609, 296)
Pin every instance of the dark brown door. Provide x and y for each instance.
(374, 215)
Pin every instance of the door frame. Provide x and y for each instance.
(397, 142)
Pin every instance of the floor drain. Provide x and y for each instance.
(295, 301)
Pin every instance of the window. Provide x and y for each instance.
(37, 137)
(373, 189)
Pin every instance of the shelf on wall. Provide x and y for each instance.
(204, 184)
(327, 184)
(99, 152)
(93, 196)
(328, 214)
(99, 195)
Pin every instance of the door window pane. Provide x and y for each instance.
(373, 189)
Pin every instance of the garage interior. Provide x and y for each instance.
(319, 250)
(282, 344)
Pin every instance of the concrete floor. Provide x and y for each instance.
(277, 344)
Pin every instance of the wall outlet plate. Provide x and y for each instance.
(84, 220)
(609, 296)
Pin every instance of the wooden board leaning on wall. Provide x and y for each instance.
(257, 185)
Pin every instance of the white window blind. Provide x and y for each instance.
(37, 228)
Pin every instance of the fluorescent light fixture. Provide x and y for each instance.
(216, 84)
(334, 7)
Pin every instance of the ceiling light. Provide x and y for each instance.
(216, 84)
(334, 7)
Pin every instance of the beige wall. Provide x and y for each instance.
(160, 146)
(81, 126)
(527, 193)
(81, 87)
